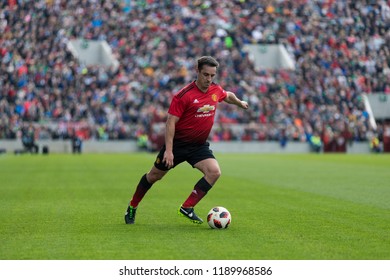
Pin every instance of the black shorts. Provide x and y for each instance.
(192, 153)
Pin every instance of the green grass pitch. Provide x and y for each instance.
(284, 207)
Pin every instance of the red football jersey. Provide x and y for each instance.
(196, 110)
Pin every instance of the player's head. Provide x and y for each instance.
(207, 60)
(206, 70)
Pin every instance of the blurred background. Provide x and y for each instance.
(90, 75)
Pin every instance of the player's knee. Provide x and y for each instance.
(153, 177)
(214, 174)
(217, 173)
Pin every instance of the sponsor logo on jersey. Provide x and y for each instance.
(206, 109)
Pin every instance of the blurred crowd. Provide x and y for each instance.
(341, 49)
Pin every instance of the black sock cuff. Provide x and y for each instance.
(204, 185)
(144, 182)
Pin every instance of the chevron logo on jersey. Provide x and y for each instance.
(206, 108)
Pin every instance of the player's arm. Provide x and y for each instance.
(169, 134)
(231, 98)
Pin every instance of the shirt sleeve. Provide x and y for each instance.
(177, 106)
(223, 95)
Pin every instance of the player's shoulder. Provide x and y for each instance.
(216, 87)
(185, 90)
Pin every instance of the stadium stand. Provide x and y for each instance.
(341, 50)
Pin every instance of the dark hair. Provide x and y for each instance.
(207, 60)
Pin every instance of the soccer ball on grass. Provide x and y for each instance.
(219, 217)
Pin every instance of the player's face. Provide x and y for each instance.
(205, 77)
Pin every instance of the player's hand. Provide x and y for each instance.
(244, 105)
(168, 159)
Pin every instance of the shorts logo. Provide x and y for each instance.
(214, 97)
(206, 108)
(157, 160)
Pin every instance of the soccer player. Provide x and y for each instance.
(190, 120)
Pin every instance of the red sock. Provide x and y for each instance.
(196, 195)
(142, 188)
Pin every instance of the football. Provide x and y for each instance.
(219, 217)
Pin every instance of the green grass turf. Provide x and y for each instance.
(284, 207)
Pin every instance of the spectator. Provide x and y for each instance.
(77, 142)
(375, 144)
(28, 140)
(315, 143)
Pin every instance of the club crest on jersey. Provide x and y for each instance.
(214, 97)
(206, 108)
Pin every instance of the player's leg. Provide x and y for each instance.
(157, 172)
(202, 159)
(146, 182)
(211, 170)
